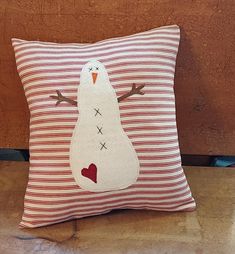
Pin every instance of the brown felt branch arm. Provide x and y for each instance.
(134, 90)
(61, 98)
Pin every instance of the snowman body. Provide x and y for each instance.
(102, 157)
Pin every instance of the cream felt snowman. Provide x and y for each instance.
(102, 157)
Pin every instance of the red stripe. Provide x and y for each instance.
(144, 128)
(159, 164)
(58, 164)
(158, 171)
(154, 142)
(59, 112)
(57, 188)
(50, 135)
(155, 85)
(50, 106)
(146, 106)
(152, 135)
(155, 92)
(51, 180)
(163, 178)
(157, 157)
(49, 172)
(52, 157)
(153, 150)
(61, 127)
(53, 142)
(142, 77)
(48, 150)
(146, 113)
(68, 119)
(144, 121)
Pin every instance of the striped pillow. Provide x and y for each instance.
(103, 132)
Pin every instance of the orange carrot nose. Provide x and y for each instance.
(94, 77)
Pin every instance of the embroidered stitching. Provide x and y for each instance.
(97, 111)
(103, 145)
(99, 130)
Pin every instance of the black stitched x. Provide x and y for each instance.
(103, 146)
(97, 111)
(99, 130)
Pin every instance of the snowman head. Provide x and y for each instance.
(93, 74)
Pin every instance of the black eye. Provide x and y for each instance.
(90, 69)
(97, 68)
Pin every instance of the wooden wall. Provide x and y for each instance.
(204, 82)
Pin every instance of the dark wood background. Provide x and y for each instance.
(204, 83)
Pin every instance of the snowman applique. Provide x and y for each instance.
(102, 158)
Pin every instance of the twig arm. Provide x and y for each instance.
(59, 97)
(134, 90)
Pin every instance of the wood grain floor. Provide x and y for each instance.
(209, 229)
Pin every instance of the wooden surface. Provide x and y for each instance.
(205, 68)
(209, 229)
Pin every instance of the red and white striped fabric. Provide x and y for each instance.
(149, 121)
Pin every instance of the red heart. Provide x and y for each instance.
(90, 172)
